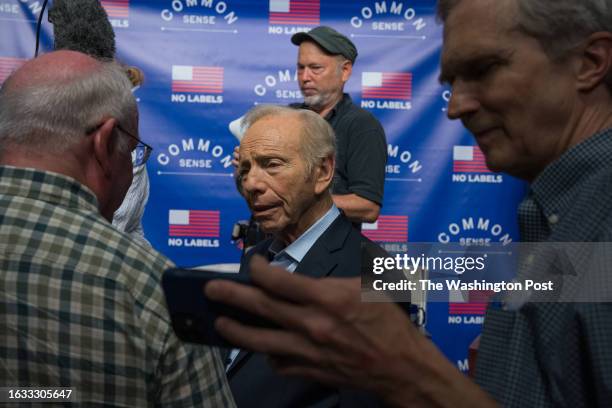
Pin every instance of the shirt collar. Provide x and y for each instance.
(298, 248)
(46, 186)
(555, 187)
(345, 101)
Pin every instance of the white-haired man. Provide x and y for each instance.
(287, 166)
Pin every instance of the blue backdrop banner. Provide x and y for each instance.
(206, 62)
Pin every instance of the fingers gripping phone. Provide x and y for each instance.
(193, 315)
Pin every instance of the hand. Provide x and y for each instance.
(356, 208)
(330, 336)
(236, 156)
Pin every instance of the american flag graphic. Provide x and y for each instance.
(295, 12)
(116, 8)
(386, 85)
(388, 228)
(193, 223)
(476, 303)
(8, 65)
(469, 159)
(206, 80)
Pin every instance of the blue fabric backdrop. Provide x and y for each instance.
(207, 62)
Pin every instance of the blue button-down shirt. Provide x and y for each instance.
(290, 257)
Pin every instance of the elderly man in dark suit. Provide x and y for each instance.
(286, 167)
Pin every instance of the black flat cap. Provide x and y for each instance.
(330, 40)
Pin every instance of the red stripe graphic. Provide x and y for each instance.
(301, 12)
(478, 309)
(116, 8)
(476, 304)
(395, 85)
(476, 165)
(204, 80)
(202, 223)
(389, 228)
(8, 66)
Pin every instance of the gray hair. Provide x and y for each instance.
(341, 59)
(318, 140)
(54, 116)
(559, 25)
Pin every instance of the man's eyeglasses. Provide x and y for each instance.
(141, 152)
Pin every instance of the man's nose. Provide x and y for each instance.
(305, 75)
(463, 101)
(253, 182)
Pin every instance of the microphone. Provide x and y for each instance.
(82, 25)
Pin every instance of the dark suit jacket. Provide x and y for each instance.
(338, 253)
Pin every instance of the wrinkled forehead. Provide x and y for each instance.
(473, 20)
(478, 26)
(272, 134)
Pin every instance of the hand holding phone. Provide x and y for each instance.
(193, 315)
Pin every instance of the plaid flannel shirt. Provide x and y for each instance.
(81, 304)
(557, 354)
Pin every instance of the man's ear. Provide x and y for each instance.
(347, 70)
(324, 174)
(104, 145)
(596, 61)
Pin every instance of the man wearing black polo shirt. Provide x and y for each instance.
(325, 63)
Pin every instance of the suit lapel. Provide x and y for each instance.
(320, 261)
(261, 249)
(242, 355)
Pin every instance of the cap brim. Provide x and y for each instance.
(299, 38)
